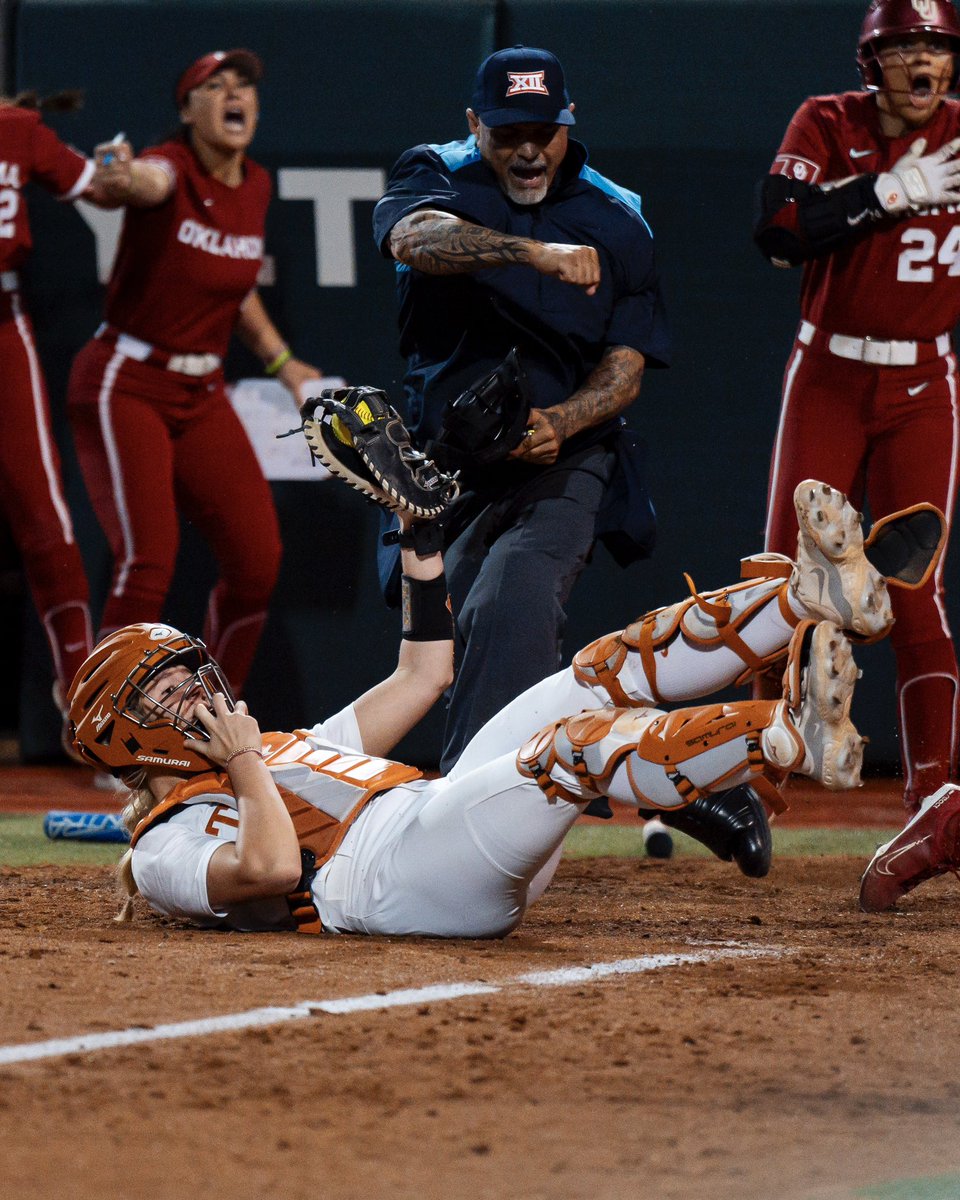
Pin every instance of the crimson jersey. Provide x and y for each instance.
(185, 266)
(31, 151)
(901, 280)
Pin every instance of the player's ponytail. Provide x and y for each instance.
(139, 805)
(65, 101)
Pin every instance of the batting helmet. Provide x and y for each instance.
(116, 725)
(899, 18)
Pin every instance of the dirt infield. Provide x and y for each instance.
(823, 1066)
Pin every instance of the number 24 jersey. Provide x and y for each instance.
(897, 278)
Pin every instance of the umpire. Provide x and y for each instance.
(509, 239)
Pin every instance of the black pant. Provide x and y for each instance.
(510, 573)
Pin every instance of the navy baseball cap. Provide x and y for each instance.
(519, 86)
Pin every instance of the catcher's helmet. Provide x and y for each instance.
(898, 18)
(115, 725)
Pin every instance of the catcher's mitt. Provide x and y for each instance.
(360, 438)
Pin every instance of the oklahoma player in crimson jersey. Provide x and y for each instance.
(151, 418)
(31, 492)
(865, 193)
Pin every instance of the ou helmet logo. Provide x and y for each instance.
(926, 10)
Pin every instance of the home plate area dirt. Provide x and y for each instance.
(823, 1066)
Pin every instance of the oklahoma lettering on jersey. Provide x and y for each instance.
(185, 266)
(212, 242)
(900, 279)
(31, 151)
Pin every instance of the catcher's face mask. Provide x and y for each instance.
(133, 701)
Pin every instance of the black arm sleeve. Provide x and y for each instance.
(796, 221)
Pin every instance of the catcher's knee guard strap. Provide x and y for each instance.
(589, 747)
(425, 604)
(674, 738)
(599, 665)
(705, 619)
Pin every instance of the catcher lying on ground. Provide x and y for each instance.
(314, 830)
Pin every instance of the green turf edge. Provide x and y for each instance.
(940, 1187)
(23, 843)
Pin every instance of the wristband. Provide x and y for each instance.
(280, 361)
(245, 750)
(424, 538)
(427, 615)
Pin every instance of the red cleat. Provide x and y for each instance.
(928, 845)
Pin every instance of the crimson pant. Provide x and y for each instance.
(154, 444)
(888, 436)
(31, 496)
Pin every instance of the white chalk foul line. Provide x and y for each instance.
(258, 1017)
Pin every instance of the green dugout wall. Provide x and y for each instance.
(680, 100)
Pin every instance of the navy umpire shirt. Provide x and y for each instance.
(455, 328)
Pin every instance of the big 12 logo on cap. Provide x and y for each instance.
(526, 81)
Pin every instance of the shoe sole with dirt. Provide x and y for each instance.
(831, 738)
(834, 579)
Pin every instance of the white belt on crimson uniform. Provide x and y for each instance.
(194, 365)
(874, 351)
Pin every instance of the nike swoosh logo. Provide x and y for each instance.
(915, 391)
(861, 153)
(883, 868)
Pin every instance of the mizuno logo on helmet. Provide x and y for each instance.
(526, 81)
(100, 718)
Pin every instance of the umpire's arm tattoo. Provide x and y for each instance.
(611, 387)
(439, 243)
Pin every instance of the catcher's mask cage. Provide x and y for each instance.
(116, 725)
(887, 19)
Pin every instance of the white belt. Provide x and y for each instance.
(873, 350)
(9, 281)
(183, 364)
(193, 364)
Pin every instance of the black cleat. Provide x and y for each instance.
(733, 825)
(599, 806)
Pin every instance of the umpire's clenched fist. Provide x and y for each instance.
(579, 265)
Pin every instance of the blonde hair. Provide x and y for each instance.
(140, 803)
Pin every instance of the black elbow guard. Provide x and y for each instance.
(797, 221)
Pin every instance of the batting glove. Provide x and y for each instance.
(919, 181)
